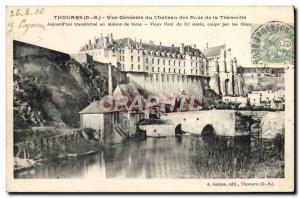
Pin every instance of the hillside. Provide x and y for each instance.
(50, 88)
(255, 82)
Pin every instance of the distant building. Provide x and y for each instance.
(235, 99)
(222, 68)
(269, 99)
(254, 99)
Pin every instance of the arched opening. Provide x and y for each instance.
(208, 131)
(178, 132)
(226, 87)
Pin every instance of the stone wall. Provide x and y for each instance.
(168, 84)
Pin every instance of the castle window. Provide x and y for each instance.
(152, 69)
(167, 77)
(132, 66)
(147, 68)
(179, 63)
(158, 69)
(156, 77)
(178, 78)
(162, 78)
(158, 61)
(184, 71)
(164, 62)
(139, 67)
(174, 63)
(196, 71)
(169, 62)
(131, 58)
(191, 71)
(179, 71)
(146, 60)
(131, 51)
(152, 60)
(164, 70)
(174, 70)
(169, 70)
(183, 64)
(138, 59)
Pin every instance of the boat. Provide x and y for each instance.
(76, 155)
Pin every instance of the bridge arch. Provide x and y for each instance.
(178, 131)
(208, 131)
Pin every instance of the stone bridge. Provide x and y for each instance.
(219, 122)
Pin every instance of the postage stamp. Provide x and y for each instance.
(273, 42)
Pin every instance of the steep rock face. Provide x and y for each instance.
(50, 88)
(254, 82)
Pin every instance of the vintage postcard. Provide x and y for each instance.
(150, 99)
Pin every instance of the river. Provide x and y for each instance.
(187, 157)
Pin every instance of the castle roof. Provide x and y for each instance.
(158, 50)
(213, 51)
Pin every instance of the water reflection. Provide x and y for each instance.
(183, 157)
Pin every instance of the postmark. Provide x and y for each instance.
(273, 43)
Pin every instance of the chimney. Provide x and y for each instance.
(110, 91)
(105, 41)
(110, 38)
(159, 43)
(206, 45)
(128, 43)
(182, 48)
(229, 54)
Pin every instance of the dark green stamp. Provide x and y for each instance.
(273, 42)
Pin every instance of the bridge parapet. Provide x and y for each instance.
(222, 121)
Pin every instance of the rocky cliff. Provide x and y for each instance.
(50, 88)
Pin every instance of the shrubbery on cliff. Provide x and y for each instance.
(51, 92)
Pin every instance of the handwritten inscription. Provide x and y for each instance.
(22, 20)
(26, 12)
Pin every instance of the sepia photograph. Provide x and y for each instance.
(150, 95)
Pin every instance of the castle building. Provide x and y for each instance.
(222, 68)
(166, 70)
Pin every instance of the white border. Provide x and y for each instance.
(3, 3)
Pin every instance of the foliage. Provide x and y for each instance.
(51, 92)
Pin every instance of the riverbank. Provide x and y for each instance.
(174, 158)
